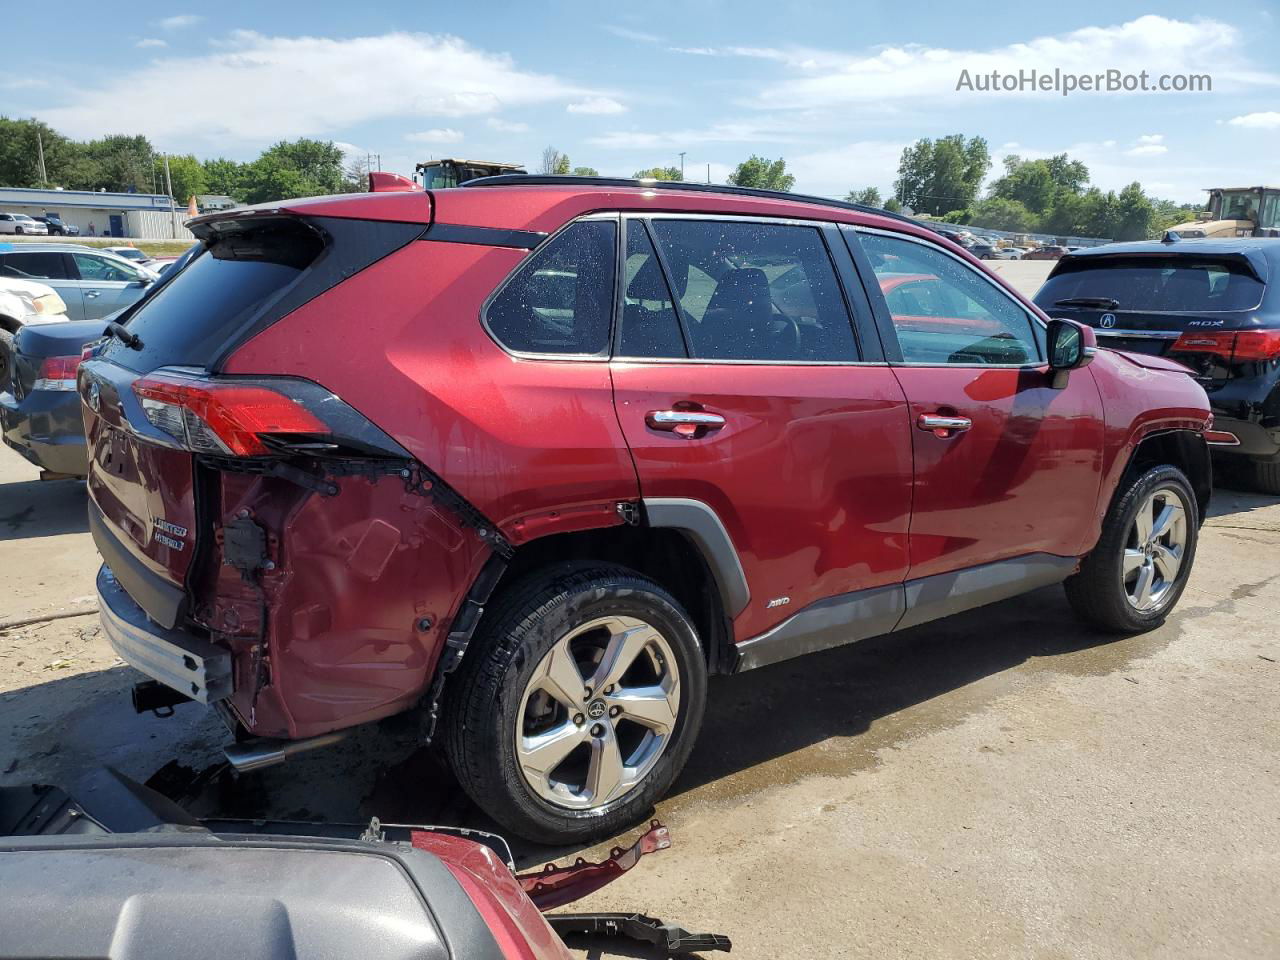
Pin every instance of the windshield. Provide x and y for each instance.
(1155, 284)
(1239, 205)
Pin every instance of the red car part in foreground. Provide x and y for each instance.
(541, 455)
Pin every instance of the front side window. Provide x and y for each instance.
(757, 291)
(33, 266)
(102, 269)
(944, 311)
(560, 300)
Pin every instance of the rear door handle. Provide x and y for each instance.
(93, 293)
(942, 425)
(690, 424)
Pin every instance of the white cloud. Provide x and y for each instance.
(435, 135)
(180, 21)
(834, 172)
(729, 132)
(507, 126)
(1151, 138)
(302, 86)
(150, 42)
(639, 36)
(1266, 120)
(1146, 150)
(827, 78)
(597, 105)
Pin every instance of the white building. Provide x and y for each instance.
(143, 216)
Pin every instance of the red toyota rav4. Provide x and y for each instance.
(547, 452)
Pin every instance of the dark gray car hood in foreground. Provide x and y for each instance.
(204, 897)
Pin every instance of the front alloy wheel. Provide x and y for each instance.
(1139, 567)
(1156, 546)
(598, 712)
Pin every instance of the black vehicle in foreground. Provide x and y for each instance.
(1211, 304)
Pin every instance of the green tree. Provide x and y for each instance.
(1040, 185)
(936, 176)
(123, 162)
(999, 213)
(867, 196)
(299, 168)
(586, 172)
(554, 162)
(763, 174)
(1134, 214)
(893, 205)
(187, 174)
(224, 177)
(66, 162)
(657, 173)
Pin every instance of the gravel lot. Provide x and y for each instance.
(1001, 784)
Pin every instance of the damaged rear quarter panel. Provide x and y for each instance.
(352, 578)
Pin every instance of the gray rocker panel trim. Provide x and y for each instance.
(863, 614)
(703, 526)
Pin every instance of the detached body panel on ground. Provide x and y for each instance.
(363, 444)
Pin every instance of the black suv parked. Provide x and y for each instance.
(58, 227)
(1211, 304)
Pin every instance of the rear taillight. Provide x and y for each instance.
(57, 373)
(1242, 347)
(229, 418)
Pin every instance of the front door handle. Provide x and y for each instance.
(942, 425)
(91, 294)
(690, 424)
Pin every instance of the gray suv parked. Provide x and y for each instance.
(92, 282)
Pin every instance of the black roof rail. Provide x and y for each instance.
(568, 180)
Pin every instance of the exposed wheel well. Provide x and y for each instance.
(1180, 448)
(665, 556)
(9, 324)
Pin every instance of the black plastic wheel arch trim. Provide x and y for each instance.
(704, 527)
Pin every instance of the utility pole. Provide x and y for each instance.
(168, 185)
(682, 153)
(708, 173)
(44, 177)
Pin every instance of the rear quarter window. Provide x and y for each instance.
(1156, 284)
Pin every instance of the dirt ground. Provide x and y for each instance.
(1001, 784)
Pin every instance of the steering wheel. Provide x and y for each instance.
(788, 335)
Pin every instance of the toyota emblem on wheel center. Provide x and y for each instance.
(595, 709)
(1107, 320)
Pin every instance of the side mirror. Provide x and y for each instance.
(1071, 345)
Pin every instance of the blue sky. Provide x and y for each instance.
(836, 88)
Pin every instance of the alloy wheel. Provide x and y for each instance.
(1154, 550)
(598, 712)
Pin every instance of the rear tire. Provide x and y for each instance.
(1263, 476)
(1130, 582)
(534, 745)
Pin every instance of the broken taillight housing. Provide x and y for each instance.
(1235, 347)
(57, 373)
(244, 417)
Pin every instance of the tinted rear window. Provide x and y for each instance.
(33, 266)
(243, 268)
(1157, 284)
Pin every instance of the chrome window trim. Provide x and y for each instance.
(1147, 334)
(998, 288)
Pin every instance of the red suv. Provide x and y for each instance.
(542, 454)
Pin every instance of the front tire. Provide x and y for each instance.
(577, 704)
(1140, 565)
